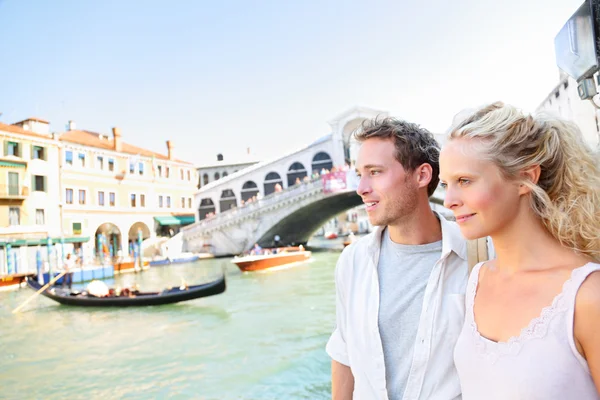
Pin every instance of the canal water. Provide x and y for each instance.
(264, 338)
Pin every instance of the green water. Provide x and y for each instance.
(264, 338)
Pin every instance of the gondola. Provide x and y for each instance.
(167, 296)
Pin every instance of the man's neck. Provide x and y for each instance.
(421, 227)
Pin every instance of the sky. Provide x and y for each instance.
(232, 75)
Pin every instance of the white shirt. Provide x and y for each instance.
(356, 341)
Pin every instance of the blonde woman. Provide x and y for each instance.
(532, 327)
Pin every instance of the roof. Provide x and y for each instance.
(219, 164)
(92, 139)
(43, 121)
(21, 131)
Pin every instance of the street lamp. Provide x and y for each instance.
(577, 48)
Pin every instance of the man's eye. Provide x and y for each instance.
(375, 172)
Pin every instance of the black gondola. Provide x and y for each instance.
(167, 296)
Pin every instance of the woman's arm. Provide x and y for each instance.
(587, 324)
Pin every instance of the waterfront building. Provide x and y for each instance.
(220, 169)
(112, 192)
(29, 193)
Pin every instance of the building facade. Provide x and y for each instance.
(564, 101)
(220, 169)
(113, 192)
(29, 193)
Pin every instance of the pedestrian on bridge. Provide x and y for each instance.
(400, 289)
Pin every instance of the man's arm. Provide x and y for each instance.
(342, 381)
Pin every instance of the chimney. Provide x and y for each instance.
(117, 139)
(72, 126)
(170, 148)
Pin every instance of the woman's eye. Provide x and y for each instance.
(463, 181)
(444, 185)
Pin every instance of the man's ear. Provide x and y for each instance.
(531, 174)
(423, 175)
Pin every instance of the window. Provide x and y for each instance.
(181, 173)
(141, 168)
(100, 198)
(217, 176)
(14, 216)
(81, 158)
(39, 217)
(167, 170)
(142, 200)
(189, 202)
(111, 199)
(37, 153)
(131, 167)
(205, 179)
(111, 164)
(168, 201)
(69, 196)
(132, 200)
(81, 196)
(224, 174)
(76, 228)
(183, 202)
(159, 168)
(39, 183)
(100, 162)
(189, 173)
(12, 149)
(69, 157)
(160, 201)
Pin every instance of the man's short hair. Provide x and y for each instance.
(414, 145)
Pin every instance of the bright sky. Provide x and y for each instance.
(222, 76)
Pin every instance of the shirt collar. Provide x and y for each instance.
(452, 240)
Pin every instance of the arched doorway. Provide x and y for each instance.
(133, 235)
(249, 190)
(321, 160)
(296, 170)
(108, 240)
(206, 207)
(228, 200)
(271, 180)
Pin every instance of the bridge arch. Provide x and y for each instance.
(228, 200)
(206, 207)
(321, 160)
(272, 179)
(249, 189)
(295, 171)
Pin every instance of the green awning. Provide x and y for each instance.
(186, 219)
(42, 241)
(167, 220)
(4, 163)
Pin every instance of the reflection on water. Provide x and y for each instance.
(264, 338)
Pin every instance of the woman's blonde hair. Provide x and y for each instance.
(567, 194)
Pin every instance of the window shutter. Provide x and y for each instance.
(33, 188)
(32, 154)
(45, 153)
(6, 147)
(46, 184)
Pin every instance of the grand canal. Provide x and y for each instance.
(264, 338)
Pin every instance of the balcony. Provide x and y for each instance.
(13, 192)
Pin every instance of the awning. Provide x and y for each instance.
(167, 220)
(14, 164)
(186, 219)
(42, 241)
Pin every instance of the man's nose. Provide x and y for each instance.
(363, 187)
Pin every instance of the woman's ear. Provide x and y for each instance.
(531, 174)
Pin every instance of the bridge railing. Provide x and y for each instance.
(329, 183)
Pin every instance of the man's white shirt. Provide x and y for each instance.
(356, 341)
